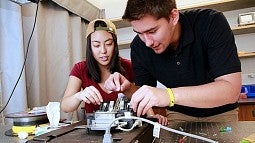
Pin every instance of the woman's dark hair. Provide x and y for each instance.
(93, 69)
(136, 9)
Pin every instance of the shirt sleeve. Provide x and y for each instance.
(77, 70)
(221, 48)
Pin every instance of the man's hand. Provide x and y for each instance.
(117, 82)
(146, 97)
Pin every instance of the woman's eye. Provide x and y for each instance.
(109, 43)
(96, 46)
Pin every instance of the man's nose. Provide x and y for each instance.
(148, 41)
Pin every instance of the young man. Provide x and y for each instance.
(192, 53)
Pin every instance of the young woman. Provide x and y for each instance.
(87, 78)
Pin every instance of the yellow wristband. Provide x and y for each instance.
(171, 95)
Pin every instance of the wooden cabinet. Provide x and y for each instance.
(246, 109)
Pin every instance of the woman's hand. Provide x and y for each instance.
(161, 119)
(90, 95)
(117, 82)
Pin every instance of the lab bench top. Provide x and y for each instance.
(211, 130)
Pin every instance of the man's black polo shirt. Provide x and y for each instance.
(206, 51)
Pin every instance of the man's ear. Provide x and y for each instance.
(174, 16)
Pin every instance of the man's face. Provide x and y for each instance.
(155, 33)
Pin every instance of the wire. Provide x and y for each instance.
(107, 131)
(24, 63)
(137, 123)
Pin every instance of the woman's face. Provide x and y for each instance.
(102, 46)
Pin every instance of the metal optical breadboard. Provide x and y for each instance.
(211, 130)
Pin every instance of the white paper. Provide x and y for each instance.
(53, 113)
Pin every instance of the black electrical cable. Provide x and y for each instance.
(24, 63)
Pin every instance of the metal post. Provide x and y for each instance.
(1, 101)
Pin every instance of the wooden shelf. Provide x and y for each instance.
(246, 55)
(120, 23)
(247, 101)
(244, 29)
(124, 45)
(223, 5)
(236, 30)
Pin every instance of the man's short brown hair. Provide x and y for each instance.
(136, 9)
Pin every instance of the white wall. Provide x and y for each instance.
(113, 8)
(97, 3)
